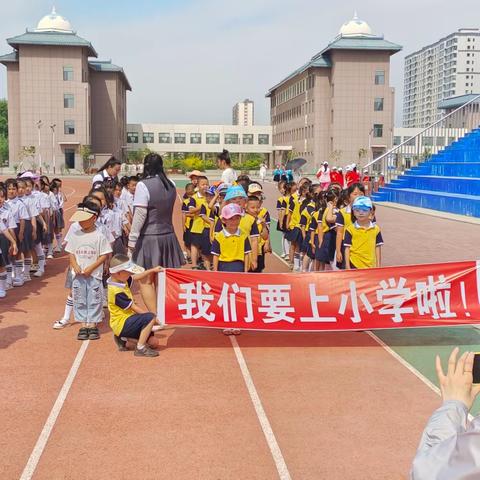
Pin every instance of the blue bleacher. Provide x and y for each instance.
(448, 181)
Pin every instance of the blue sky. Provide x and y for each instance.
(190, 61)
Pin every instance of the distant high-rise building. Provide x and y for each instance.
(444, 69)
(243, 113)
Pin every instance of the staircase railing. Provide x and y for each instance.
(429, 141)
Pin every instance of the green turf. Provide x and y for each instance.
(418, 346)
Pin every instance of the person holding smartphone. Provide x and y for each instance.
(450, 445)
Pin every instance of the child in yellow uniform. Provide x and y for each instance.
(363, 239)
(200, 227)
(187, 219)
(231, 247)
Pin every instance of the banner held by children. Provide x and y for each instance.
(405, 296)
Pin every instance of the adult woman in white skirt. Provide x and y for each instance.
(152, 239)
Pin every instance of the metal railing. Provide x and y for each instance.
(428, 141)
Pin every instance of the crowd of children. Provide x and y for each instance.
(31, 225)
(227, 227)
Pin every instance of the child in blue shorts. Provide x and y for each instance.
(127, 319)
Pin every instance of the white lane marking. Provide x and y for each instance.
(282, 469)
(408, 366)
(37, 451)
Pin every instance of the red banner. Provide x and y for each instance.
(407, 296)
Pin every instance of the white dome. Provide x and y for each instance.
(54, 23)
(356, 28)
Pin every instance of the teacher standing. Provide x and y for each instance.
(152, 239)
(108, 171)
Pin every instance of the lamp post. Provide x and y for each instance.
(53, 145)
(39, 126)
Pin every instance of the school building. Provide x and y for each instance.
(61, 97)
(339, 105)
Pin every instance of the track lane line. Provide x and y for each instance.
(408, 366)
(39, 447)
(282, 468)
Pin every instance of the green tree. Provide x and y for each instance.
(3, 132)
(3, 118)
(85, 153)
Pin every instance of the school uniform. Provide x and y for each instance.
(293, 233)
(305, 220)
(200, 228)
(363, 242)
(231, 249)
(187, 224)
(326, 251)
(19, 214)
(59, 216)
(28, 243)
(6, 223)
(281, 206)
(343, 220)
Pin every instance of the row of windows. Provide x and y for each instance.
(294, 112)
(425, 141)
(196, 138)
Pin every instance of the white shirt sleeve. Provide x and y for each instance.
(104, 247)
(142, 195)
(98, 178)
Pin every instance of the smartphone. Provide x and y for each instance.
(476, 368)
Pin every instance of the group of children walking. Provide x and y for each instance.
(31, 225)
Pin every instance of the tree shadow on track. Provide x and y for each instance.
(10, 335)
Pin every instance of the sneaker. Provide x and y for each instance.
(83, 333)
(27, 278)
(157, 328)
(18, 283)
(3, 293)
(50, 256)
(34, 268)
(146, 351)
(62, 323)
(9, 286)
(227, 331)
(39, 273)
(120, 343)
(93, 333)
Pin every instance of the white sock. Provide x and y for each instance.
(68, 308)
(297, 262)
(50, 249)
(285, 246)
(40, 256)
(9, 269)
(3, 281)
(28, 264)
(18, 270)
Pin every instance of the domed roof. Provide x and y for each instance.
(54, 23)
(356, 28)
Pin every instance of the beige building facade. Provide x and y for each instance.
(243, 113)
(59, 99)
(338, 107)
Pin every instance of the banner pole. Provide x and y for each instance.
(161, 297)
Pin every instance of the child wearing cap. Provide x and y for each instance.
(363, 238)
(254, 207)
(128, 320)
(88, 250)
(231, 247)
(187, 219)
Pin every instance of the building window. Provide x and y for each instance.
(378, 105)
(247, 139)
(212, 138)
(397, 141)
(380, 77)
(67, 74)
(180, 138)
(427, 141)
(132, 137)
(164, 138)
(196, 138)
(69, 127)
(263, 139)
(378, 130)
(68, 100)
(231, 138)
(440, 141)
(148, 137)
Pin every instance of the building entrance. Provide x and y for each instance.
(70, 158)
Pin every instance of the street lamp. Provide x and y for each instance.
(53, 145)
(39, 126)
